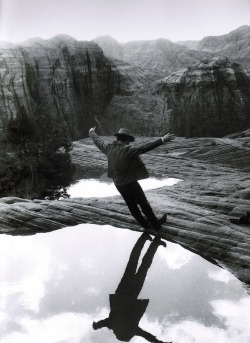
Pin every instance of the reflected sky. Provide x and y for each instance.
(88, 188)
(54, 285)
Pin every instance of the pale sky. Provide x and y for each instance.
(125, 20)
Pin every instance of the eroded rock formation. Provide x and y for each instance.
(69, 79)
(158, 58)
(81, 87)
(215, 186)
(161, 56)
(207, 93)
(234, 45)
(210, 99)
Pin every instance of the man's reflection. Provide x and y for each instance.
(126, 310)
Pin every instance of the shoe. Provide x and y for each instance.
(163, 219)
(164, 244)
(152, 228)
(242, 220)
(145, 224)
(234, 220)
(157, 226)
(158, 241)
(245, 220)
(147, 236)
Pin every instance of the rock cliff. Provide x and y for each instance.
(82, 87)
(161, 57)
(158, 58)
(235, 45)
(206, 95)
(70, 79)
(215, 187)
(210, 99)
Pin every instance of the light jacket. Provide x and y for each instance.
(124, 162)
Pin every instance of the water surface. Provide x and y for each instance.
(54, 285)
(87, 188)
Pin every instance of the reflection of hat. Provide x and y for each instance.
(126, 133)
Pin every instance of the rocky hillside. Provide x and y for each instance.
(161, 56)
(157, 57)
(110, 46)
(234, 45)
(72, 80)
(210, 99)
(201, 97)
(83, 85)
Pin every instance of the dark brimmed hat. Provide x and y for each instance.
(125, 133)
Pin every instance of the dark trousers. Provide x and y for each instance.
(134, 197)
(133, 278)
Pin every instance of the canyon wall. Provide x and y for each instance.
(161, 57)
(158, 58)
(69, 79)
(204, 89)
(235, 45)
(151, 87)
(210, 99)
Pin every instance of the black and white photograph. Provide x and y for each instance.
(124, 171)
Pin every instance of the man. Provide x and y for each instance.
(126, 310)
(125, 167)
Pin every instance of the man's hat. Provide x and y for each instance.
(126, 133)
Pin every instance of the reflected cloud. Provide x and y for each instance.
(175, 256)
(65, 327)
(87, 263)
(235, 314)
(154, 325)
(59, 282)
(193, 332)
(77, 328)
(93, 290)
(60, 271)
(25, 273)
(221, 275)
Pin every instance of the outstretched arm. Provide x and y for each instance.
(153, 144)
(168, 138)
(101, 324)
(101, 145)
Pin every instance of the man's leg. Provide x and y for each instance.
(127, 192)
(145, 206)
(134, 196)
(126, 284)
(147, 260)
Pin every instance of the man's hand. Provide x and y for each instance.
(92, 129)
(167, 138)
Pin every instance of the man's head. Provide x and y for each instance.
(124, 136)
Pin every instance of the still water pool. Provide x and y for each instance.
(87, 188)
(53, 286)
